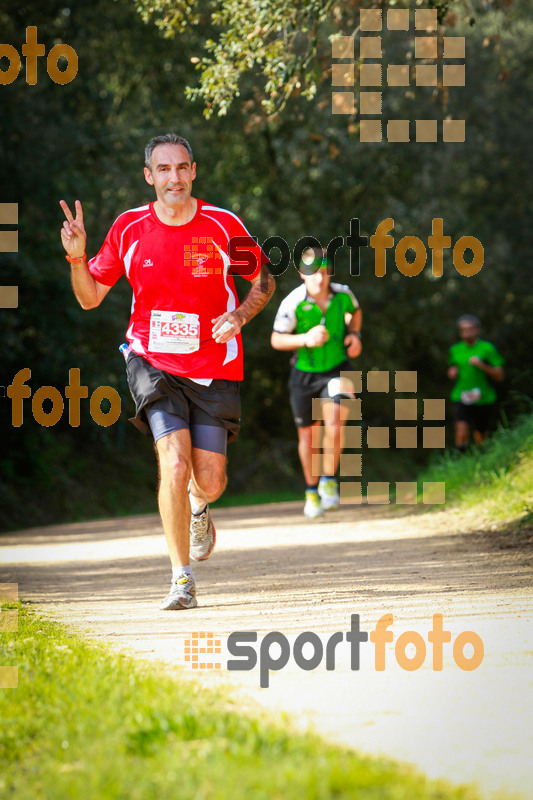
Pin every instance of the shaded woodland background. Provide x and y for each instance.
(299, 171)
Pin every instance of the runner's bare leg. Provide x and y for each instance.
(208, 479)
(334, 415)
(306, 452)
(461, 434)
(174, 455)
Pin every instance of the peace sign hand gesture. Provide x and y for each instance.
(73, 233)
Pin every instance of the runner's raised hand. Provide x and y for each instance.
(353, 345)
(317, 336)
(73, 233)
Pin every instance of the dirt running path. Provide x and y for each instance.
(272, 570)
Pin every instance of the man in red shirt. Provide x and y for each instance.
(184, 359)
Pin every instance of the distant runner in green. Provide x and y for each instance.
(471, 363)
(321, 321)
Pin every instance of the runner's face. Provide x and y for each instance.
(171, 174)
(318, 282)
(469, 333)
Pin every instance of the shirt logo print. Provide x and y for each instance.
(196, 255)
(148, 262)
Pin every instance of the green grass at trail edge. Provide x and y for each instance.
(86, 722)
(257, 498)
(496, 478)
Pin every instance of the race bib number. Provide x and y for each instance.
(470, 397)
(174, 332)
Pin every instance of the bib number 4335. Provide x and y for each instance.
(174, 332)
(180, 329)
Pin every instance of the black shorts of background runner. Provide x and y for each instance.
(304, 386)
(478, 418)
(218, 404)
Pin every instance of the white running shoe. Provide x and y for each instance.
(329, 493)
(202, 536)
(312, 507)
(182, 594)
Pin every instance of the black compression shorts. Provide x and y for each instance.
(204, 437)
(304, 386)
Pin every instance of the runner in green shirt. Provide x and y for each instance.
(472, 362)
(321, 321)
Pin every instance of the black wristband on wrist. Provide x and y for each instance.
(356, 333)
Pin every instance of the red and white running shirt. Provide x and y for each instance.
(181, 276)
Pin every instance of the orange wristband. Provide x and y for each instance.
(76, 260)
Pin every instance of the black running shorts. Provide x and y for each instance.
(304, 386)
(218, 404)
(478, 418)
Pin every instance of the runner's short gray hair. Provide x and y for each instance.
(469, 319)
(165, 138)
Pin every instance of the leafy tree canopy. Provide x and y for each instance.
(286, 45)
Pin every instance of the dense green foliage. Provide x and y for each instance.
(86, 722)
(297, 173)
(495, 479)
(286, 47)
